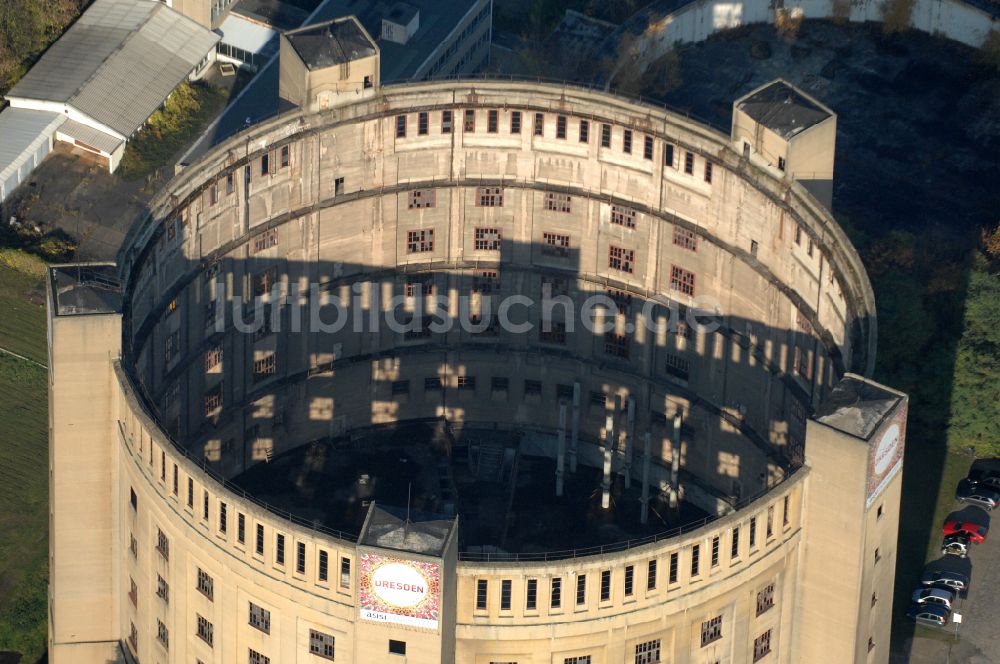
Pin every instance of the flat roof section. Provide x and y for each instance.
(857, 406)
(249, 35)
(86, 288)
(273, 13)
(402, 13)
(416, 532)
(400, 61)
(580, 34)
(783, 108)
(331, 43)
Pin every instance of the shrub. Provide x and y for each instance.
(991, 242)
(975, 398)
(169, 129)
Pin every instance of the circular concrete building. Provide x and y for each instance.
(476, 372)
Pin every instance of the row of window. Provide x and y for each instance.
(162, 546)
(765, 597)
(615, 345)
(204, 581)
(649, 652)
(493, 197)
(500, 385)
(516, 122)
(320, 643)
(620, 259)
(268, 164)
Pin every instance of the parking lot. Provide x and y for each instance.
(976, 640)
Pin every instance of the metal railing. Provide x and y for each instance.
(614, 547)
(238, 491)
(585, 86)
(465, 556)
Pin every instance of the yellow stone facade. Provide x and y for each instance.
(155, 559)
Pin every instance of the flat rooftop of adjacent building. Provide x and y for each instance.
(402, 13)
(274, 13)
(400, 61)
(857, 406)
(331, 43)
(335, 483)
(783, 108)
(86, 289)
(579, 34)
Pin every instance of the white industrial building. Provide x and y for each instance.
(99, 83)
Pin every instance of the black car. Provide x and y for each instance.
(945, 578)
(987, 477)
(955, 545)
(979, 494)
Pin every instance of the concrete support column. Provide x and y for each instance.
(629, 441)
(561, 452)
(644, 513)
(609, 427)
(575, 431)
(675, 460)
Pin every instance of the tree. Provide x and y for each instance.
(991, 242)
(896, 249)
(27, 27)
(975, 397)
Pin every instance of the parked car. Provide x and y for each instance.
(933, 595)
(933, 615)
(980, 495)
(985, 477)
(945, 578)
(975, 532)
(955, 545)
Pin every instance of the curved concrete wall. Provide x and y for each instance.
(661, 25)
(179, 527)
(797, 307)
(155, 555)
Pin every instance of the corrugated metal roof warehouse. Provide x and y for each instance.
(106, 75)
